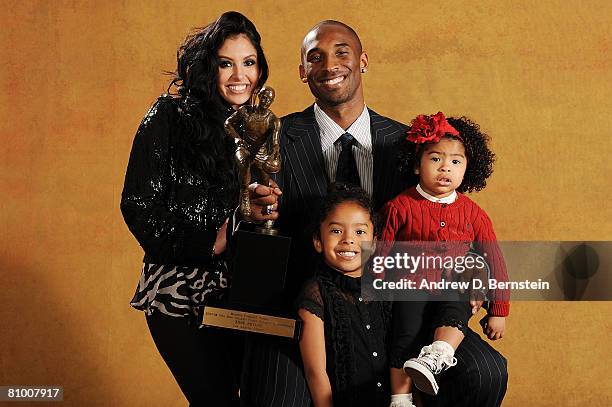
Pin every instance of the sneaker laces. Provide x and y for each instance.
(401, 400)
(436, 361)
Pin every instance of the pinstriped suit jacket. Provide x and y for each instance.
(303, 180)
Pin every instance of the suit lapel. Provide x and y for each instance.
(302, 148)
(385, 134)
(303, 155)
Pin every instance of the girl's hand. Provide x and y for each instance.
(221, 241)
(493, 327)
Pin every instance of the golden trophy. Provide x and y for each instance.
(259, 261)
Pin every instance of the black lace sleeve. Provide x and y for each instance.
(310, 298)
(163, 235)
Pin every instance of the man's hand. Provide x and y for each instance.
(264, 202)
(493, 327)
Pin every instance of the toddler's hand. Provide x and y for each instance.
(493, 327)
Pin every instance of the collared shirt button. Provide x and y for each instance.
(442, 224)
(379, 384)
(368, 326)
(360, 299)
(374, 354)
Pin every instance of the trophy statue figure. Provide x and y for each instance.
(258, 147)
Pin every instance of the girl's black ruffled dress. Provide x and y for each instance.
(355, 337)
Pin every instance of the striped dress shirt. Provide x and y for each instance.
(330, 132)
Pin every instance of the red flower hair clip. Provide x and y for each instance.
(431, 128)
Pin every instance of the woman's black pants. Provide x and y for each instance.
(206, 363)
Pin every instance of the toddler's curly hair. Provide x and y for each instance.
(338, 193)
(480, 158)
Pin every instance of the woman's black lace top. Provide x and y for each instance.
(355, 337)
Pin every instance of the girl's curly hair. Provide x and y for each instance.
(480, 158)
(338, 193)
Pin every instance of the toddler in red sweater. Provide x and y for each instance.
(446, 158)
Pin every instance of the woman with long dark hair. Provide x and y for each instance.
(180, 188)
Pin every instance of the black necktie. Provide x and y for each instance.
(346, 171)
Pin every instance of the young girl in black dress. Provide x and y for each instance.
(343, 339)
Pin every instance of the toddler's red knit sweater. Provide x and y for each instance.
(411, 217)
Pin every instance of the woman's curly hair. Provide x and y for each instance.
(338, 193)
(203, 111)
(480, 158)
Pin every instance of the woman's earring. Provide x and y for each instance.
(363, 70)
(304, 79)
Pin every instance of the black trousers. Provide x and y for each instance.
(273, 374)
(415, 321)
(480, 377)
(206, 363)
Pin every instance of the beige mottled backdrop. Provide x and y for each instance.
(76, 78)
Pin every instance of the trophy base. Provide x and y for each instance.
(259, 270)
(251, 322)
(255, 302)
(267, 229)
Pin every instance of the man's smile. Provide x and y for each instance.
(332, 82)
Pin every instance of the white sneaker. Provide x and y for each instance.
(433, 360)
(401, 400)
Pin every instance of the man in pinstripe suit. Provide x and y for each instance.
(332, 64)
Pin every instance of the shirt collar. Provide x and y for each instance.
(446, 200)
(330, 130)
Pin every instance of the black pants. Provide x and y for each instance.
(480, 377)
(206, 363)
(273, 374)
(275, 378)
(415, 321)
